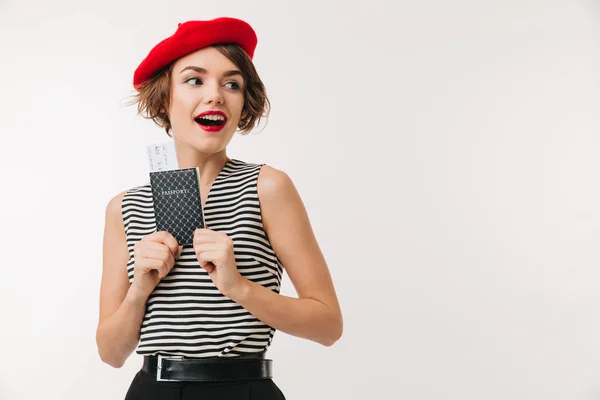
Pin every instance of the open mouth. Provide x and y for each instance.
(211, 120)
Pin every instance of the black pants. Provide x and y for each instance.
(145, 387)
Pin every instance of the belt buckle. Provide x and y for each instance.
(159, 367)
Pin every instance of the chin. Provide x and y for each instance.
(208, 145)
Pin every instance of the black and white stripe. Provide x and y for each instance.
(186, 314)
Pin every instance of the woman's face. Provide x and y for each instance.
(204, 81)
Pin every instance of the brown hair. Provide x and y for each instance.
(154, 95)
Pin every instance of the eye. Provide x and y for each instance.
(192, 79)
(236, 86)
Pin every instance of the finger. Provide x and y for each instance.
(163, 270)
(210, 238)
(211, 235)
(198, 240)
(209, 267)
(162, 253)
(162, 267)
(166, 238)
(206, 260)
(179, 251)
(170, 241)
(210, 246)
(203, 232)
(150, 244)
(148, 265)
(158, 258)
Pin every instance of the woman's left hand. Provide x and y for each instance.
(214, 251)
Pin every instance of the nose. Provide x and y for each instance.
(212, 94)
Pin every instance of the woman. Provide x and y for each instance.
(203, 315)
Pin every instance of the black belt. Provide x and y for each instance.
(179, 368)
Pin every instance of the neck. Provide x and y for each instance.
(209, 164)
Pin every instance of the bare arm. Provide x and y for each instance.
(121, 308)
(316, 314)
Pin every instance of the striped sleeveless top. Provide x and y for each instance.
(186, 314)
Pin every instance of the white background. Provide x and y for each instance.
(447, 153)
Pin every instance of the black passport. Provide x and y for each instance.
(177, 202)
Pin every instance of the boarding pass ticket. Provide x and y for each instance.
(162, 156)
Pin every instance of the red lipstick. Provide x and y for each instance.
(210, 125)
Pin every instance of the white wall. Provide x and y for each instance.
(447, 153)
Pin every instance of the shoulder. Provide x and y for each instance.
(115, 203)
(274, 184)
(275, 187)
(280, 202)
(113, 208)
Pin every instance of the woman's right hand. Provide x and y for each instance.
(154, 255)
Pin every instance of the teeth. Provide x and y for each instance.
(214, 117)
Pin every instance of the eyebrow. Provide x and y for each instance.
(201, 70)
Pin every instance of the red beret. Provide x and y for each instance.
(191, 36)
